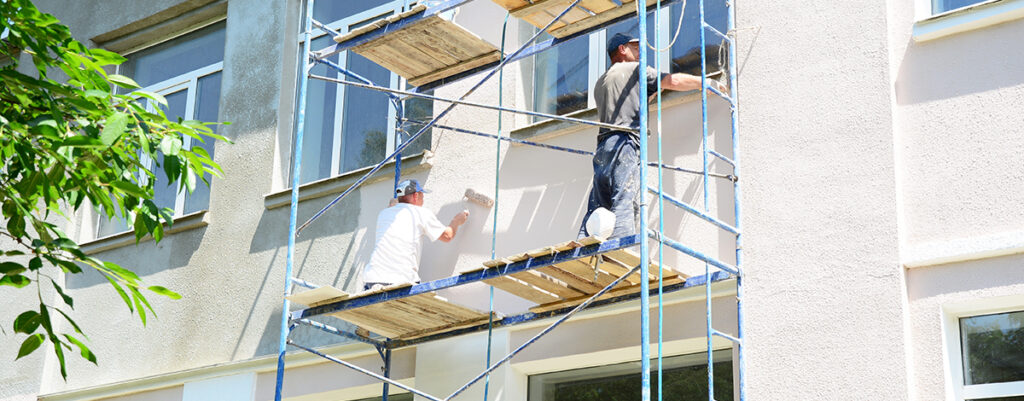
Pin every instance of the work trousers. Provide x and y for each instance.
(616, 184)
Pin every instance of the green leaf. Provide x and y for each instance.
(11, 268)
(81, 141)
(170, 145)
(96, 93)
(156, 97)
(30, 344)
(86, 352)
(60, 356)
(16, 281)
(138, 306)
(165, 292)
(125, 274)
(73, 324)
(106, 57)
(116, 125)
(123, 81)
(27, 322)
(35, 263)
(124, 296)
(67, 299)
(129, 188)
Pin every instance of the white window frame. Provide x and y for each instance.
(930, 26)
(953, 347)
(343, 26)
(190, 83)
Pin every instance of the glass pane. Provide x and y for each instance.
(940, 6)
(560, 77)
(993, 348)
(206, 109)
(421, 110)
(318, 134)
(176, 57)
(364, 122)
(685, 380)
(164, 191)
(114, 225)
(328, 11)
(686, 49)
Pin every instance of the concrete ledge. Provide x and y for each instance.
(969, 18)
(336, 185)
(963, 249)
(548, 129)
(174, 21)
(181, 223)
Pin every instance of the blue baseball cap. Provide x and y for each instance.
(619, 39)
(409, 187)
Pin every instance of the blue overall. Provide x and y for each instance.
(616, 182)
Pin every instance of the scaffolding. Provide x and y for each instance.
(554, 276)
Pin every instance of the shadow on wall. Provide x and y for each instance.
(172, 252)
(961, 64)
(326, 253)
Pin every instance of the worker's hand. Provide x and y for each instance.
(460, 218)
(718, 85)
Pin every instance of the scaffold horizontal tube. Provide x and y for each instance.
(722, 157)
(336, 331)
(722, 95)
(726, 336)
(475, 104)
(695, 212)
(364, 371)
(696, 254)
(717, 32)
(304, 283)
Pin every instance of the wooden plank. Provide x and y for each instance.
(584, 270)
(388, 327)
(449, 71)
(459, 40)
(442, 328)
(522, 290)
(510, 4)
(631, 259)
(574, 15)
(380, 23)
(424, 46)
(616, 268)
(441, 306)
(389, 57)
(611, 293)
(625, 8)
(597, 6)
(545, 251)
(582, 284)
(547, 284)
(318, 296)
(496, 262)
(591, 240)
(413, 55)
(537, 6)
(427, 37)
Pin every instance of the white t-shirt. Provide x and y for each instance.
(396, 255)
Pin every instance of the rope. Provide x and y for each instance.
(494, 227)
(679, 27)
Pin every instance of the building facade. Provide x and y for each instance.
(882, 174)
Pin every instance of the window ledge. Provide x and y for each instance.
(968, 18)
(181, 223)
(964, 249)
(548, 129)
(338, 184)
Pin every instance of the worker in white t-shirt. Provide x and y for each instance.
(400, 229)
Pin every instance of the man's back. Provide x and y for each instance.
(396, 254)
(618, 101)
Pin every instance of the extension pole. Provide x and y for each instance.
(645, 298)
(293, 213)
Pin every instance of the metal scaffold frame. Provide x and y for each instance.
(715, 270)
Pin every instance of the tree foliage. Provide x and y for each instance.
(72, 143)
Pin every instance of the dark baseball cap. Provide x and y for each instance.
(619, 39)
(409, 187)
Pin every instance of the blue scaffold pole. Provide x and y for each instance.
(293, 213)
(741, 361)
(645, 298)
(704, 153)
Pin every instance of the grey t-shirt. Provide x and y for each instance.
(617, 96)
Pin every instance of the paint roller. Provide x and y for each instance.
(479, 198)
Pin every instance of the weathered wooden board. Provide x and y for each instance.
(587, 14)
(318, 296)
(410, 317)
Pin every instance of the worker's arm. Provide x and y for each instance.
(449, 232)
(686, 82)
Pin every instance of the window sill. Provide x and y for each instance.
(338, 184)
(968, 18)
(964, 249)
(548, 129)
(181, 223)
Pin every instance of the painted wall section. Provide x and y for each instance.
(228, 388)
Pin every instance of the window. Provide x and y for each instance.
(563, 75)
(187, 72)
(992, 356)
(941, 6)
(347, 128)
(685, 379)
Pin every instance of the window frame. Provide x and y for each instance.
(929, 25)
(189, 82)
(344, 26)
(954, 347)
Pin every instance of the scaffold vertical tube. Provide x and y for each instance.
(293, 213)
(645, 298)
(740, 360)
(705, 148)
